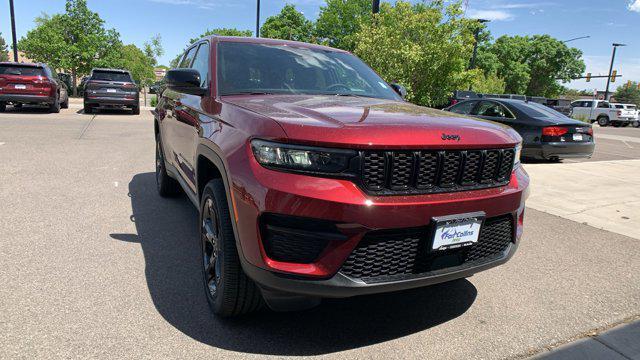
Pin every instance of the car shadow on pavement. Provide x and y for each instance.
(28, 110)
(106, 112)
(167, 232)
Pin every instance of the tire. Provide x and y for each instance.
(135, 110)
(166, 185)
(635, 124)
(603, 121)
(228, 289)
(615, 124)
(65, 104)
(55, 107)
(87, 108)
(3, 107)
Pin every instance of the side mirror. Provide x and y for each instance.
(185, 81)
(401, 90)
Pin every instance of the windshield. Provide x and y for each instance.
(538, 110)
(111, 76)
(21, 70)
(280, 69)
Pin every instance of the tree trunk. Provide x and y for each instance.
(73, 82)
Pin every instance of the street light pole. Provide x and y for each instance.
(13, 32)
(258, 20)
(613, 57)
(476, 33)
(578, 38)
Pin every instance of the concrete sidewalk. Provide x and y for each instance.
(621, 342)
(602, 194)
(76, 103)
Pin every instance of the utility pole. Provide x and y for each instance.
(258, 20)
(613, 57)
(376, 6)
(13, 32)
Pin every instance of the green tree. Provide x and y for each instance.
(76, 40)
(489, 84)
(153, 48)
(217, 31)
(4, 49)
(340, 20)
(289, 24)
(138, 63)
(628, 94)
(425, 47)
(532, 65)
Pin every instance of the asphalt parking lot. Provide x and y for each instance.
(93, 264)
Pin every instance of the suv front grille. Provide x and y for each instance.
(385, 255)
(400, 172)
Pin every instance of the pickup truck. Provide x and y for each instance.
(314, 178)
(632, 107)
(601, 111)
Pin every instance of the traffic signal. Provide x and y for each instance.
(613, 75)
(628, 84)
(588, 77)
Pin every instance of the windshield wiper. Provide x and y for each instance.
(251, 93)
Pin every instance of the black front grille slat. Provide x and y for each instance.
(398, 172)
(397, 254)
(374, 170)
(401, 170)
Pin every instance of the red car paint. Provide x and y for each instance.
(227, 124)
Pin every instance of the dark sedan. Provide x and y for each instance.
(546, 133)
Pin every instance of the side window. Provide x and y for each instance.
(464, 107)
(491, 109)
(201, 63)
(188, 58)
(603, 104)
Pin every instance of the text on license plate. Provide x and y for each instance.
(453, 233)
(111, 90)
(20, 86)
(577, 137)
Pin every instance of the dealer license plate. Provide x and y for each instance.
(20, 86)
(456, 231)
(577, 137)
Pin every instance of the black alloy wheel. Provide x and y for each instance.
(211, 250)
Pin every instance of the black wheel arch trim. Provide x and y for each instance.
(212, 152)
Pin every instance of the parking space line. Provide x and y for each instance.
(86, 127)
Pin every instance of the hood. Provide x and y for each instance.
(368, 122)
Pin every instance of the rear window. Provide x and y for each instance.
(21, 70)
(631, 107)
(111, 76)
(536, 110)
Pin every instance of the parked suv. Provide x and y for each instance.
(111, 88)
(31, 84)
(313, 178)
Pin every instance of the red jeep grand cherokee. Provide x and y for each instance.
(315, 179)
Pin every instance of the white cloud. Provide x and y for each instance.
(493, 15)
(634, 5)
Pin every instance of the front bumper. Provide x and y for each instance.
(256, 191)
(26, 99)
(340, 285)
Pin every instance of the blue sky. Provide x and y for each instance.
(179, 20)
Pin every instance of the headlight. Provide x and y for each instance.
(302, 158)
(516, 158)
